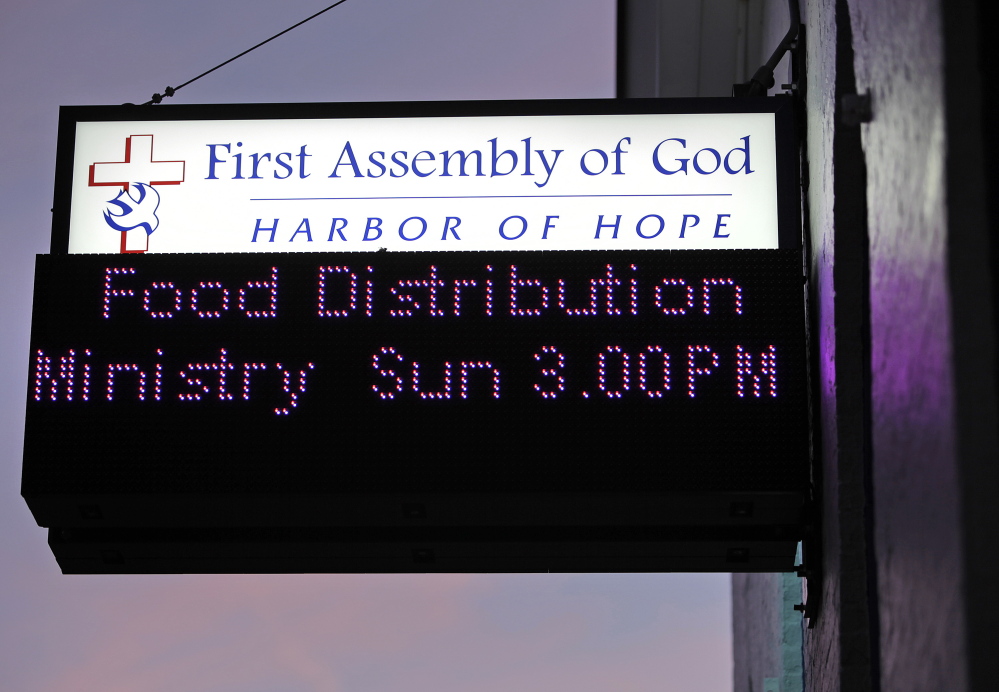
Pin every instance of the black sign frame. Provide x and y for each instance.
(200, 527)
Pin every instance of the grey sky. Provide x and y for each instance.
(318, 632)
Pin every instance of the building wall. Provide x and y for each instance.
(767, 618)
(903, 318)
(686, 48)
(900, 209)
(969, 29)
(899, 58)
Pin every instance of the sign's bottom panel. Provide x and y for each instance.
(416, 510)
(152, 551)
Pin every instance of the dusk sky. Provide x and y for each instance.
(306, 633)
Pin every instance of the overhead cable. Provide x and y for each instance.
(170, 91)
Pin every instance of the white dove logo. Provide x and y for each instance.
(134, 208)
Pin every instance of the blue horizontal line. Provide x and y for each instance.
(321, 199)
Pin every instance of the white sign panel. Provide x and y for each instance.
(526, 182)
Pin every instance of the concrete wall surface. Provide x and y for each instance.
(763, 610)
(899, 59)
(928, 246)
(900, 216)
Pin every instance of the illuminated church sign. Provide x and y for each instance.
(218, 356)
(426, 179)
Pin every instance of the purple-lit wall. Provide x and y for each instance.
(899, 57)
(898, 212)
(933, 376)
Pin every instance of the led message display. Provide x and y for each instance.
(615, 372)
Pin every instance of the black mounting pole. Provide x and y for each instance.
(763, 79)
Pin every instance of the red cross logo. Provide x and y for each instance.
(139, 166)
